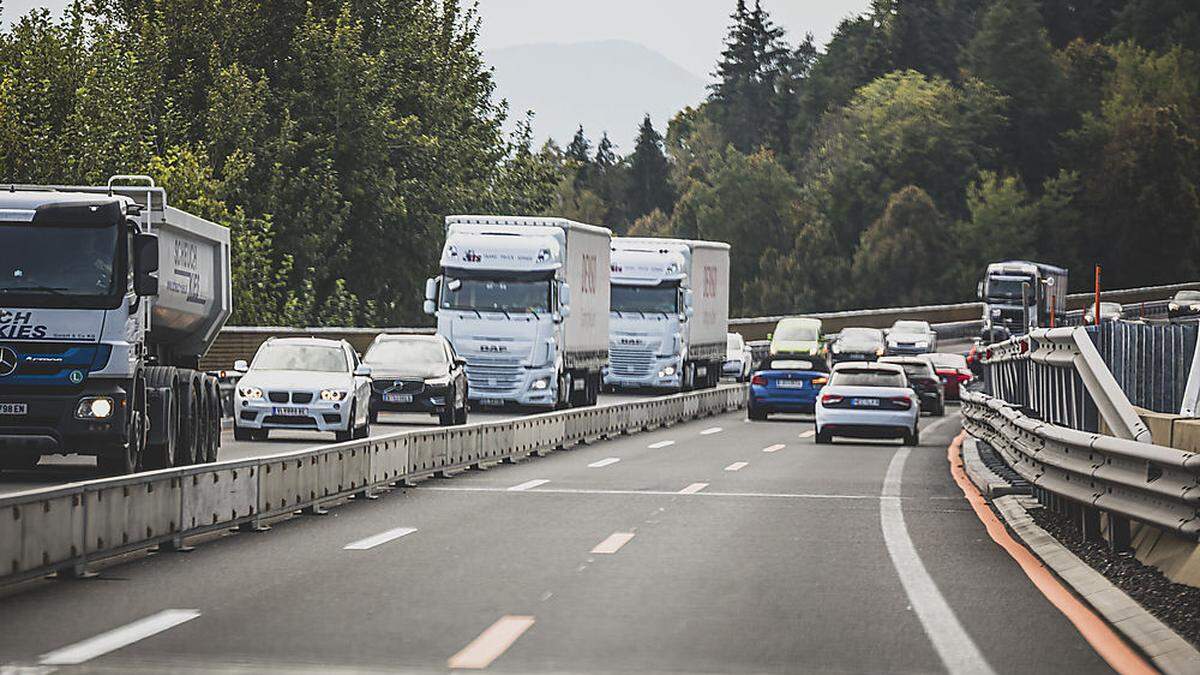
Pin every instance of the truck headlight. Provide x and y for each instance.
(95, 408)
(667, 372)
(252, 393)
(540, 384)
(995, 311)
(332, 395)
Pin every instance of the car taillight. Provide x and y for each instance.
(964, 376)
(817, 381)
(901, 402)
(760, 380)
(831, 399)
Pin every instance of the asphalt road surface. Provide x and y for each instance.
(713, 546)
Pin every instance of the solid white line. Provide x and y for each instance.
(604, 462)
(381, 538)
(711, 430)
(737, 466)
(774, 448)
(491, 643)
(529, 484)
(693, 488)
(657, 493)
(613, 543)
(84, 651)
(951, 641)
(660, 444)
(808, 434)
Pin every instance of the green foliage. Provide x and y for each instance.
(897, 261)
(649, 187)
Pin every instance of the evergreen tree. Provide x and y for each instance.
(751, 63)
(649, 188)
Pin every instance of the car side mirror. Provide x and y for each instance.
(241, 366)
(145, 264)
(363, 370)
(460, 361)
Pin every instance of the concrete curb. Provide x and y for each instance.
(1169, 652)
(990, 483)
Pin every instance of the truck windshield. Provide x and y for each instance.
(44, 265)
(655, 299)
(496, 295)
(301, 357)
(1005, 288)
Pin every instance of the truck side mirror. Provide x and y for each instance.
(241, 366)
(564, 300)
(431, 287)
(145, 264)
(979, 290)
(688, 303)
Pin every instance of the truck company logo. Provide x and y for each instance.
(710, 281)
(588, 281)
(493, 348)
(8, 361)
(187, 268)
(18, 325)
(630, 341)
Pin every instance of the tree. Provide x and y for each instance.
(888, 266)
(649, 188)
(746, 75)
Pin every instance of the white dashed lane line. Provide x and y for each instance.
(774, 448)
(604, 462)
(693, 488)
(737, 466)
(660, 444)
(808, 434)
(711, 430)
(82, 652)
(613, 543)
(491, 643)
(529, 484)
(381, 538)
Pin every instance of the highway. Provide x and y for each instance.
(712, 546)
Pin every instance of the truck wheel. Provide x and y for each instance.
(213, 391)
(120, 460)
(563, 399)
(188, 441)
(162, 455)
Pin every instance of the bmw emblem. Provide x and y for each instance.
(76, 376)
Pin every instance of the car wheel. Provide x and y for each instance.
(756, 414)
(348, 432)
(940, 411)
(824, 438)
(259, 434)
(240, 434)
(373, 417)
(912, 438)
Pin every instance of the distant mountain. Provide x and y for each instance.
(606, 86)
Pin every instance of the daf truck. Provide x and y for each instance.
(524, 300)
(669, 313)
(109, 297)
(1018, 295)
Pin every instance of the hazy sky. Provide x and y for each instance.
(688, 32)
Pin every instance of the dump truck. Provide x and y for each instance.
(109, 297)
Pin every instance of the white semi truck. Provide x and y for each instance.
(524, 301)
(669, 313)
(108, 299)
(1018, 295)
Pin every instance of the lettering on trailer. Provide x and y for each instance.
(20, 325)
(710, 281)
(588, 281)
(188, 281)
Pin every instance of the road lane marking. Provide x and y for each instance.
(604, 462)
(808, 434)
(115, 639)
(1098, 633)
(657, 493)
(381, 538)
(774, 448)
(737, 466)
(711, 430)
(951, 641)
(528, 485)
(613, 543)
(693, 488)
(491, 643)
(660, 444)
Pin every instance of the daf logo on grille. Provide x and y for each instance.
(8, 361)
(493, 348)
(630, 341)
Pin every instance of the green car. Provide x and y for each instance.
(797, 337)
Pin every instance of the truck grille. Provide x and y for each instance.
(494, 376)
(630, 361)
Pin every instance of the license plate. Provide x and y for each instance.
(397, 398)
(291, 412)
(492, 401)
(14, 408)
(790, 384)
(864, 402)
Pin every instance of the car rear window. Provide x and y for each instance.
(948, 360)
(867, 377)
(795, 364)
(917, 370)
(910, 327)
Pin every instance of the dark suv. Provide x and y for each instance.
(924, 381)
(417, 374)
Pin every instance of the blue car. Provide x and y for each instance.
(786, 385)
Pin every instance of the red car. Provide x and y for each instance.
(952, 370)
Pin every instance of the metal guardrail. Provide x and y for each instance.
(64, 528)
(1123, 479)
(1152, 363)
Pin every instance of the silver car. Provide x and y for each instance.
(910, 337)
(305, 384)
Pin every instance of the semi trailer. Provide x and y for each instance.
(109, 297)
(524, 300)
(669, 313)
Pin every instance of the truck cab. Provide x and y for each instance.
(1018, 295)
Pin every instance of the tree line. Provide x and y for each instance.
(927, 138)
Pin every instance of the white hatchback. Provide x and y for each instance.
(868, 400)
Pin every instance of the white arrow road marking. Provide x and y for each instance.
(491, 643)
(84, 651)
(604, 462)
(381, 538)
(528, 485)
(613, 543)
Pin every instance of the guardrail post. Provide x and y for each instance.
(1089, 522)
(1119, 536)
